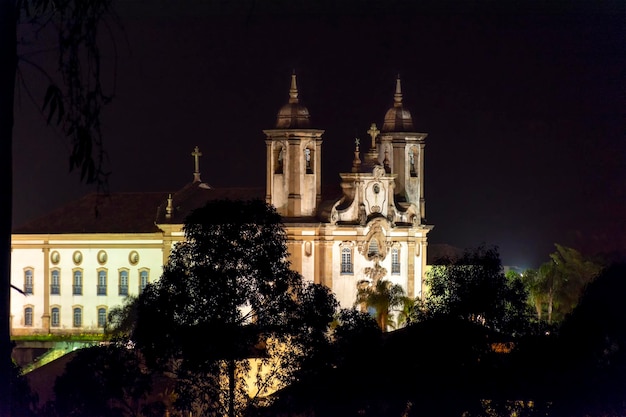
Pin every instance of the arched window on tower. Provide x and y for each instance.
(308, 160)
(279, 159)
(412, 169)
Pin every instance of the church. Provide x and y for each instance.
(70, 267)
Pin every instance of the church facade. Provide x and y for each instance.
(69, 268)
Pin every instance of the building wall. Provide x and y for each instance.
(89, 255)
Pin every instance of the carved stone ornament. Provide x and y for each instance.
(102, 257)
(378, 171)
(55, 258)
(77, 257)
(133, 257)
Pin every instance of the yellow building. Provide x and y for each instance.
(76, 263)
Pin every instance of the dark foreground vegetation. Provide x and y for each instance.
(227, 304)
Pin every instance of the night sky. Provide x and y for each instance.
(524, 108)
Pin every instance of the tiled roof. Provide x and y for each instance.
(131, 212)
(100, 213)
(196, 195)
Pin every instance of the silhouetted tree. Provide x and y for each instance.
(103, 381)
(560, 282)
(475, 288)
(74, 103)
(226, 295)
(592, 349)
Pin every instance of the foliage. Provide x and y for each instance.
(475, 288)
(82, 337)
(122, 319)
(383, 298)
(557, 285)
(106, 380)
(75, 102)
(227, 295)
(592, 354)
(24, 401)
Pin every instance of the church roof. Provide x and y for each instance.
(100, 213)
(293, 115)
(196, 195)
(131, 212)
(397, 118)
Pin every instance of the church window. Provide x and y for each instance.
(395, 261)
(102, 316)
(280, 159)
(28, 281)
(412, 170)
(77, 287)
(55, 317)
(28, 316)
(123, 283)
(308, 156)
(55, 282)
(347, 266)
(78, 317)
(372, 249)
(102, 282)
(143, 280)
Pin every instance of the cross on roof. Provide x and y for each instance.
(373, 132)
(196, 157)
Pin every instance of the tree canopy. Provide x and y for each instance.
(227, 294)
(475, 288)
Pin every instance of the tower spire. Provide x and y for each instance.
(293, 91)
(397, 97)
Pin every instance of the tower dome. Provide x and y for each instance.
(293, 115)
(397, 118)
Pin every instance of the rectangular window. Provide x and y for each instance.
(55, 282)
(346, 261)
(78, 317)
(102, 317)
(55, 317)
(395, 261)
(28, 281)
(77, 288)
(102, 283)
(28, 316)
(143, 281)
(123, 290)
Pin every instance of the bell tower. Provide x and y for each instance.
(294, 160)
(402, 149)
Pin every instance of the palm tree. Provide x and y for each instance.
(382, 298)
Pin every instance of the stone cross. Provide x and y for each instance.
(373, 132)
(196, 157)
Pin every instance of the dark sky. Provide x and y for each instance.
(524, 107)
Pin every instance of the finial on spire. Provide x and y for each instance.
(170, 207)
(397, 97)
(356, 162)
(196, 157)
(293, 91)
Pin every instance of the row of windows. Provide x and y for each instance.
(55, 316)
(280, 156)
(77, 282)
(347, 265)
